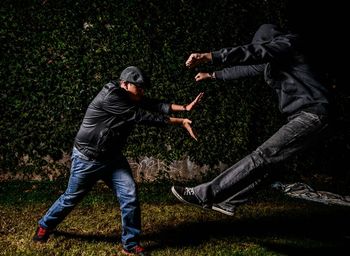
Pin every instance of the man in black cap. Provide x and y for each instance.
(97, 152)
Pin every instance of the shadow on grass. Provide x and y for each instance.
(295, 233)
(111, 238)
(292, 228)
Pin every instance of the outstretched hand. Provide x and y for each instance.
(190, 106)
(186, 123)
(198, 58)
(202, 76)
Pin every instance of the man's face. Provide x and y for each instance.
(135, 92)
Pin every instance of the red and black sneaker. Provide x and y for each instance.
(137, 250)
(41, 235)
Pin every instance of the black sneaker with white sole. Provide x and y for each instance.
(222, 209)
(186, 195)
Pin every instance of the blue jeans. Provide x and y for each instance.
(84, 174)
(232, 186)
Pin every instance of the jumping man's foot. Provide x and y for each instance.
(186, 195)
(221, 209)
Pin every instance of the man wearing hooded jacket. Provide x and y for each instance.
(302, 98)
(97, 152)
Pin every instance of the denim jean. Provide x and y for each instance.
(234, 185)
(84, 174)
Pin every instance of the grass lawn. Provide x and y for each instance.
(271, 224)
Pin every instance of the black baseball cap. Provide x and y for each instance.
(135, 75)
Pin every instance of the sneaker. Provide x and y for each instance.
(41, 235)
(186, 195)
(137, 250)
(220, 208)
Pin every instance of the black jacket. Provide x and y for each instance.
(110, 118)
(279, 57)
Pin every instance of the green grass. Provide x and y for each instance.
(270, 225)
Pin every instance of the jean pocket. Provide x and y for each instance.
(312, 116)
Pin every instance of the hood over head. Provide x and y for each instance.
(266, 32)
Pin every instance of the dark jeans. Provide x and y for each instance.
(84, 175)
(232, 186)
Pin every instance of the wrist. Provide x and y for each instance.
(184, 107)
(212, 75)
(208, 56)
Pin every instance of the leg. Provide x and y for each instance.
(243, 177)
(121, 181)
(83, 176)
(229, 206)
(239, 179)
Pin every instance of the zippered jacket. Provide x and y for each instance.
(111, 117)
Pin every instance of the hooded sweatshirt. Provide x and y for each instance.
(277, 55)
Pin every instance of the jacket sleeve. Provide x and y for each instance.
(157, 116)
(255, 53)
(155, 105)
(153, 119)
(239, 72)
(130, 112)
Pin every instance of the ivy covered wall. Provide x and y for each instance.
(57, 55)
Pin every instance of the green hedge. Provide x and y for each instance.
(56, 55)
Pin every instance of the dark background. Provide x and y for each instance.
(56, 55)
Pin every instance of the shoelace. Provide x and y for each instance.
(189, 192)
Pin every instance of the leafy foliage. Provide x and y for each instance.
(56, 56)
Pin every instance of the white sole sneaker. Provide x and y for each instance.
(178, 196)
(218, 209)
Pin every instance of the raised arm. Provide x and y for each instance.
(230, 73)
(255, 53)
(187, 107)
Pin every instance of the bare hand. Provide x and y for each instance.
(186, 123)
(190, 106)
(202, 76)
(197, 58)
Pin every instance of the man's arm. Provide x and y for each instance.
(236, 72)
(187, 107)
(249, 54)
(155, 105)
(255, 53)
(230, 73)
(186, 123)
(166, 108)
(155, 119)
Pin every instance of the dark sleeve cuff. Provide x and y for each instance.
(216, 58)
(219, 75)
(165, 108)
